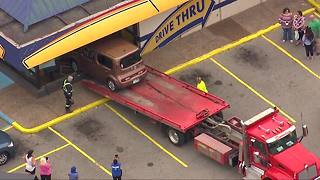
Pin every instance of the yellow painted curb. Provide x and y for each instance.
(314, 4)
(228, 46)
(59, 119)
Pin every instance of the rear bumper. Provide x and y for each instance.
(130, 82)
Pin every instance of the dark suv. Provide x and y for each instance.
(7, 148)
(113, 61)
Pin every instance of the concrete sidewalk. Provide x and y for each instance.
(28, 110)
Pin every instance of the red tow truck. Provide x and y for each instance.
(263, 147)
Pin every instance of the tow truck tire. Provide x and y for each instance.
(175, 137)
(111, 85)
(220, 114)
(218, 117)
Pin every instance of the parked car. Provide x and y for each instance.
(7, 148)
(114, 61)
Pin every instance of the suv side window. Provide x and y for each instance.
(259, 145)
(104, 61)
(86, 52)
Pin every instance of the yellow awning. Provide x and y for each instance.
(99, 27)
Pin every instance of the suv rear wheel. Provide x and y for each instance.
(111, 85)
(4, 156)
(74, 66)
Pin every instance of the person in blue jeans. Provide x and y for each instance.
(308, 41)
(286, 21)
(116, 170)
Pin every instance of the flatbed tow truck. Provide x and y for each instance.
(177, 106)
(263, 147)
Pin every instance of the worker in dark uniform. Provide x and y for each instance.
(67, 90)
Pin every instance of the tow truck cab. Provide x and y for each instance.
(274, 151)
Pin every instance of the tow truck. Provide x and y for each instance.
(263, 147)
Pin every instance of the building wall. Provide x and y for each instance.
(221, 10)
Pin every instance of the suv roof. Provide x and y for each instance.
(114, 47)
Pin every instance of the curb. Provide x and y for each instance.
(52, 122)
(314, 4)
(229, 46)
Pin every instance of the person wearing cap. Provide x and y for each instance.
(67, 90)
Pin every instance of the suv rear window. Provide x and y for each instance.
(130, 60)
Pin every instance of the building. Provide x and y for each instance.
(35, 34)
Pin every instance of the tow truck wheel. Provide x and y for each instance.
(4, 156)
(177, 138)
(218, 117)
(220, 114)
(111, 85)
(74, 66)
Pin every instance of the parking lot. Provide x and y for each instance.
(250, 77)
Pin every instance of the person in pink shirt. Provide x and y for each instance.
(45, 169)
(286, 21)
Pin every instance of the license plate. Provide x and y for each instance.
(135, 81)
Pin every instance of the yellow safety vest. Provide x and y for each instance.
(202, 86)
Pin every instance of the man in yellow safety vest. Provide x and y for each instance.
(201, 85)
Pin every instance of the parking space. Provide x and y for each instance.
(102, 134)
(298, 52)
(271, 72)
(41, 143)
(199, 166)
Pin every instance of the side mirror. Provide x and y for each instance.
(304, 130)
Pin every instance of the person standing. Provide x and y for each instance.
(30, 163)
(314, 24)
(73, 175)
(201, 85)
(308, 40)
(116, 170)
(45, 169)
(286, 21)
(67, 90)
(299, 25)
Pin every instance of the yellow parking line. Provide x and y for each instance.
(37, 158)
(80, 150)
(292, 57)
(146, 135)
(228, 46)
(317, 14)
(7, 128)
(250, 88)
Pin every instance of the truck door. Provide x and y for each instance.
(258, 154)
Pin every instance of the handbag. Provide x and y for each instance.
(296, 35)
